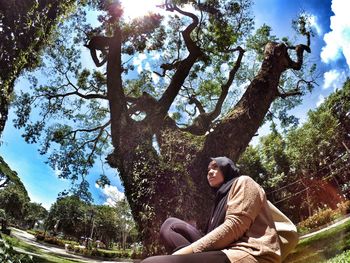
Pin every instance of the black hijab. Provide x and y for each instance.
(230, 172)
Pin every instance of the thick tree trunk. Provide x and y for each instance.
(171, 180)
(233, 134)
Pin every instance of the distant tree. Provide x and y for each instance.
(250, 163)
(126, 224)
(106, 224)
(69, 216)
(159, 128)
(319, 149)
(8, 176)
(14, 200)
(34, 212)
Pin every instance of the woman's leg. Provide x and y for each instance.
(176, 233)
(204, 257)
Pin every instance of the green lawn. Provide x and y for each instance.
(42, 257)
(332, 245)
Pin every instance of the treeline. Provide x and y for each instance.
(72, 218)
(15, 205)
(68, 218)
(307, 168)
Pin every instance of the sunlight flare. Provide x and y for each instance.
(137, 8)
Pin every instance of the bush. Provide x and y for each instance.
(323, 217)
(344, 207)
(319, 219)
(98, 252)
(53, 240)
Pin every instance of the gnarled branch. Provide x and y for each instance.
(203, 121)
(183, 68)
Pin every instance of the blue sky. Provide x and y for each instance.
(330, 50)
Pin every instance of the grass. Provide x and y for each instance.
(40, 256)
(330, 246)
(327, 245)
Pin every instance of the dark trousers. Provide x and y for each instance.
(176, 234)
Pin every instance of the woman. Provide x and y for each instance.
(240, 228)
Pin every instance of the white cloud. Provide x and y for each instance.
(334, 79)
(112, 194)
(138, 62)
(321, 99)
(338, 39)
(314, 24)
(155, 78)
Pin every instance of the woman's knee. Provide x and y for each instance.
(155, 259)
(167, 225)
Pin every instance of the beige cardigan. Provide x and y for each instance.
(248, 225)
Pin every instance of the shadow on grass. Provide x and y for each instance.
(322, 246)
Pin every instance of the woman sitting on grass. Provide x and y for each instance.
(240, 228)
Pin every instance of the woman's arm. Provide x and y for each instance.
(243, 205)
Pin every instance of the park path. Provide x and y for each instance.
(49, 249)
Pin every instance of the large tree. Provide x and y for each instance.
(161, 126)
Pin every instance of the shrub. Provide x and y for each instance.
(53, 240)
(323, 217)
(344, 207)
(98, 252)
(319, 219)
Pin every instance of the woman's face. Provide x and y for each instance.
(215, 176)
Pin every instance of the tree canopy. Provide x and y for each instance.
(208, 83)
(26, 27)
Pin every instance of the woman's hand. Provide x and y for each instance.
(184, 251)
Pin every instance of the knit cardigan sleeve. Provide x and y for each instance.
(243, 205)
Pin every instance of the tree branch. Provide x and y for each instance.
(84, 96)
(203, 121)
(183, 68)
(299, 50)
(74, 132)
(290, 93)
(146, 103)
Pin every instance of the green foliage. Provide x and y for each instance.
(50, 239)
(258, 41)
(250, 163)
(34, 212)
(8, 177)
(9, 255)
(342, 258)
(13, 200)
(68, 214)
(319, 219)
(27, 26)
(99, 252)
(308, 167)
(75, 219)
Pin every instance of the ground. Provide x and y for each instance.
(53, 250)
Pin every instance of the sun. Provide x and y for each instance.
(138, 8)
